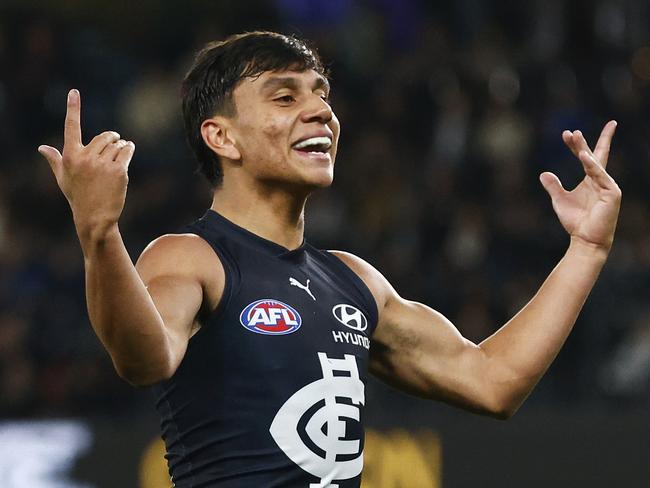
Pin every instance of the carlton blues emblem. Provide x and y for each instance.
(312, 427)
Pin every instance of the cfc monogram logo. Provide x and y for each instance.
(329, 453)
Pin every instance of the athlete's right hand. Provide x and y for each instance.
(93, 178)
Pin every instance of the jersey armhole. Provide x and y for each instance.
(231, 281)
(360, 285)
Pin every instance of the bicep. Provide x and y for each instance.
(183, 277)
(178, 300)
(416, 349)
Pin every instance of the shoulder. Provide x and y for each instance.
(180, 254)
(378, 285)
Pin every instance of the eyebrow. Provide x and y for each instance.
(290, 82)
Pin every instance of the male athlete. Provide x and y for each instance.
(258, 345)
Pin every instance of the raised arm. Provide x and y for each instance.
(144, 330)
(415, 348)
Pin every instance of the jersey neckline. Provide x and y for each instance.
(272, 247)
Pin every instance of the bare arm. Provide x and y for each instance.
(145, 315)
(144, 330)
(417, 349)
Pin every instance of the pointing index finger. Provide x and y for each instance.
(72, 130)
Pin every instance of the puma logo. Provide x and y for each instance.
(295, 282)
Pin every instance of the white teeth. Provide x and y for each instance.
(323, 141)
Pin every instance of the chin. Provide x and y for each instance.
(323, 180)
(305, 186)
(313, 169)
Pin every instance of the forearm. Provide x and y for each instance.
(120, 308)
(521, 351)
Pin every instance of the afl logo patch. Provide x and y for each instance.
(270, 317)
(350, 316)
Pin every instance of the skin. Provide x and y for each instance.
(145, 314)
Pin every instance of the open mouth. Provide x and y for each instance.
(319, 144)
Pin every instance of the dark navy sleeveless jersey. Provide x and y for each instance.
(270, 392)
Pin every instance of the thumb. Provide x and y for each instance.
(551, 184)
(53, 157)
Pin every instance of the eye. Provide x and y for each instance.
(325, 97)
(285, 99)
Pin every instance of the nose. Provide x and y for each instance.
(317, 110)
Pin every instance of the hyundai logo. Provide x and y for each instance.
(350, 316)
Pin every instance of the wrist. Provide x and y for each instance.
(589, 250)
(93, 234)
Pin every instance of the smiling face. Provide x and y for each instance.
(284, 129)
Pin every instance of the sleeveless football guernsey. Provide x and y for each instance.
(270, 393)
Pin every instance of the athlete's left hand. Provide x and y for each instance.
(589, 212)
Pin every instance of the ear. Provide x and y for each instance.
(218, 136)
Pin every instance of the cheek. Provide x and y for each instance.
(273, 130)
(273, 140)
(335, 127)
(265, 131)
(265, 144)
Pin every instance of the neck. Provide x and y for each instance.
(274, 214)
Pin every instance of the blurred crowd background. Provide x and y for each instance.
(449, 112)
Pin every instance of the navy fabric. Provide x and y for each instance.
(270, 391)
